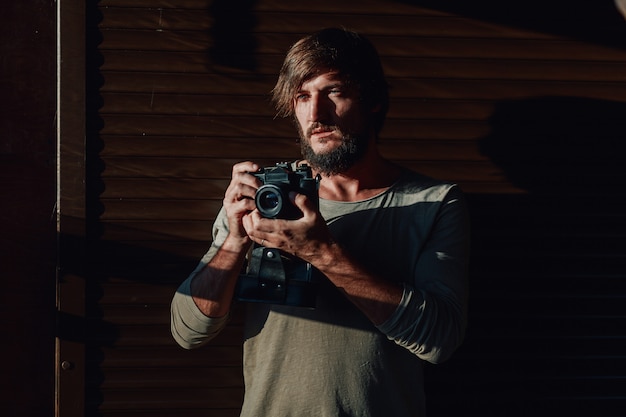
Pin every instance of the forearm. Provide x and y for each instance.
(200, 307)
(376, 297)
(423, 307)
(212, 288)
(429, 324)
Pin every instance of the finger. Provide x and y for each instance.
(259, 227)
(241, 174)
(303, 202)
(251, 226)
(245, 221)
(238, 191)
(242, 184)
(245, 204)
(244, 167)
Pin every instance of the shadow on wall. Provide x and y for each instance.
(559, 144)
(599, 21)
(546, 332)
(234, 41)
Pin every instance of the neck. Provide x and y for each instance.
(368, 177)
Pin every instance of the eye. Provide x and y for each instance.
(301, 96)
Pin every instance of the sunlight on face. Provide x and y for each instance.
(334, 134)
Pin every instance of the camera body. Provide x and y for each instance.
(272, 198)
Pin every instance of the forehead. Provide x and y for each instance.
(322, 80)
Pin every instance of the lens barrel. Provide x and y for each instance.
(270, 200)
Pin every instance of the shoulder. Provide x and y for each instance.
(413, 184)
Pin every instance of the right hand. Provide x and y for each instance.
(239, 198)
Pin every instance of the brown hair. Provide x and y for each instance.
(333, 49)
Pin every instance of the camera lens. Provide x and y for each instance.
(269, 200)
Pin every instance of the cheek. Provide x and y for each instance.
(349, 112)
(298, 123)
(353, 122)
(299, 116)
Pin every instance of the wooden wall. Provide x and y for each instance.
(525, 112)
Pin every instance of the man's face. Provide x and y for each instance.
(333, 130)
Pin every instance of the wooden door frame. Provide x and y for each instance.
(71, 210)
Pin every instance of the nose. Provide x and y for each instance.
(317, 108)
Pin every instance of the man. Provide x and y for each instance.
(392, 245)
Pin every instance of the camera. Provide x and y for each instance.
(272, 198)
(273, 276)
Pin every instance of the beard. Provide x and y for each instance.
(352, 148)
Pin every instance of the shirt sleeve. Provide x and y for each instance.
(431, 318)
(189, 326)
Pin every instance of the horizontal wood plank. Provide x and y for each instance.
(474, 68)
(174, 237)
(431, 88)
(275, 44)
(175, 400)
(210, 355)
(225, 127)
(151, 378)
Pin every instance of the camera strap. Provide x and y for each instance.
(266, 264)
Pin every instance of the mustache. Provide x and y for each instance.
(318, 127)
